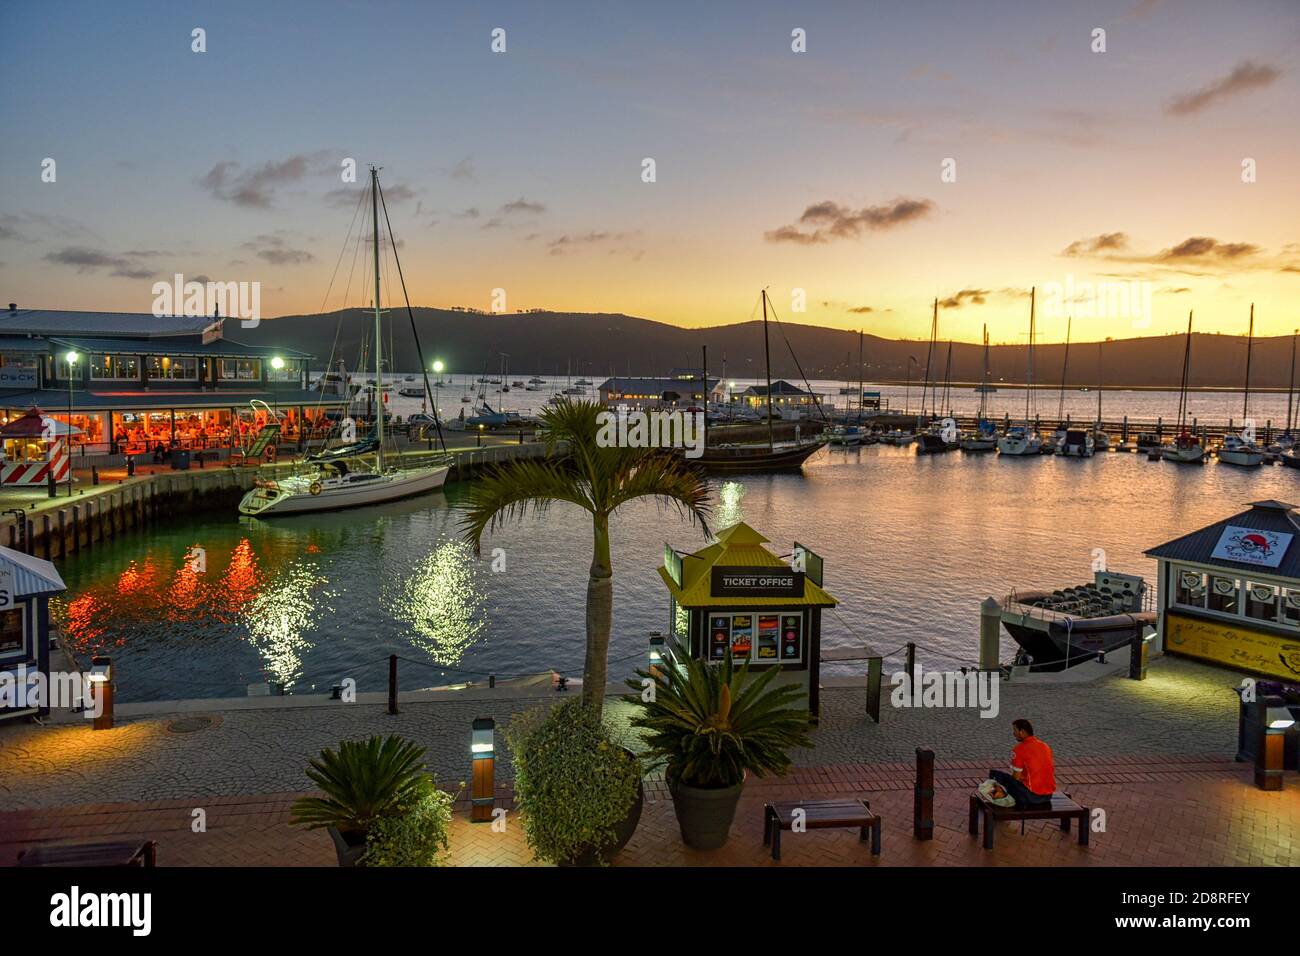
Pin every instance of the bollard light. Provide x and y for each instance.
(101, 680)
(482, 746)
(1270, 753)
(656, 654)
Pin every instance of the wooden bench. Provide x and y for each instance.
(91, 854)
(1063, 808)
(820, 815)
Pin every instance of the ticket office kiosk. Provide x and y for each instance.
(26, 584)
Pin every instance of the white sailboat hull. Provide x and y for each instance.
(1189, 455)
(1019, 446)
(294, 496)
(1246, 459)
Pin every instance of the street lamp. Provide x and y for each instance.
(482, 747)
(101, 680)
(72, 363)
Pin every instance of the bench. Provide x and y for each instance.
(91, 854)
(1063, 808)
(820, 815)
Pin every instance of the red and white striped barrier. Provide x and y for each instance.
(37, 472)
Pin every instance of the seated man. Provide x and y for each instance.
(1032, 780)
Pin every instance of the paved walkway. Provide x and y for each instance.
(1183, 708)
(1174, 811)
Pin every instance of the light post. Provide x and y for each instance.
(101, 679)
(482, 747)
(72, 364)
(731, 398)
(1270, 749)
(277, 363)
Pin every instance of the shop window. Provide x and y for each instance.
(108, 368)
(1290, 610)
(1191, 588)
(1224, 596)
(1261, 601)
(177, 368)
(242, 370)
(11, 630)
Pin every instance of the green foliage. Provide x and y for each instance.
(363, 781)
(574, 782)
(413, 834)
(713, 723)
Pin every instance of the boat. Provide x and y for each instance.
(485, 416)
(1290, 458)
(345, 478)
(532, 388)
(933, 442)
(1076, 443)
(985, 437)
(1056, 629)
(1020, 441)
(897, 436)
(410, 391)
(786, 456)
(1100, 440)
(1149, 443)
(851, 433)
(583, 382)
(1186, 448)
(574, 390)
(1241, 450)
(846, 435)
(516, 384)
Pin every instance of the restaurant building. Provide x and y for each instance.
(1230, 592)
(788, 401)
(137, 379)
(682, 388)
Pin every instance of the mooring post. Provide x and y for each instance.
(875, 672)
(1137, 657)
(392, 683)
(911, 667)
(923, 797)
(990, 634)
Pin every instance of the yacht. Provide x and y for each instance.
(1235, 450)
(1186, 449)
(984, 438)
(1076, 443)
(1020, 440)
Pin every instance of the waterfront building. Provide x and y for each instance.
(1230, 592)
(139, 379)
(26, 585)
(680, 389)
(788, 401)
(736, 594)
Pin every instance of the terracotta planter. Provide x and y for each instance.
(350, 847)
(705, 816)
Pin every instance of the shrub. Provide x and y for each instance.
(363, 781)
(574, 782)
(413, 834)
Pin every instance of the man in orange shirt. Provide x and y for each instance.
(1032, 780)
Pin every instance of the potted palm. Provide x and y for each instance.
(709, 726)
(580, 470)
(362, 782)
(578, 790)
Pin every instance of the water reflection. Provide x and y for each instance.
(729, 511)
(279, 619)
(441, 603)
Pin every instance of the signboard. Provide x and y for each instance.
(673, 564)
(810, 562)
(757, 582)
(719, 636)
(769, 633)
(1251, 546)
(742, 636)
(1238, 647)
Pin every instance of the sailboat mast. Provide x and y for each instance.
(984, 378)
(379, 362)
(929, 357)
(1182, 395)
(1099, 383)
(1065, 366)
(1029, 361)
(767, 362)
(1250, 338)
(1290, 389)
(861, 371)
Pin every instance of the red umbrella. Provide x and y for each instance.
(31, 424)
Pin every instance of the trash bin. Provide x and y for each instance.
(181, 459)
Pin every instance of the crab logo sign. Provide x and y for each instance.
(1252, 546)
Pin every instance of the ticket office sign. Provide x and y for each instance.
(768, 638)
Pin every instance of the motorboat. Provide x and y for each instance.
(897, 436)
(1186, 449)
(1235, 450)
(1056, 629)
(1019, 441)
(410, 391)
(846, 435)
(485, 416)
(1076, 443)
(1149, 443)
(1100, 440)
(933, 442)
(984, 438)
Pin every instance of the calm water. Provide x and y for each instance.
(912, 545)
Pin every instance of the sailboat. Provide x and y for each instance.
(934, 441)
(1100, 440)
(849, 434)
(1186, 448)
(745, 458)
(1070, 442)
(343, 478)
(985, 437)
(1021, 440)
(1236, 449)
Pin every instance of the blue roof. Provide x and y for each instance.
(67, 322)
(192, 346)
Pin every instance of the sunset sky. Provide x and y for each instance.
(522, 170)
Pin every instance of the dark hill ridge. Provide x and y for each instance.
(600, 344)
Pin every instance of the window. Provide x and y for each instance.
(242, 370)
(109, 368)
(1224, 596)
(177, 368)
(1261, 601)
(1290, 609)
(292, 372)
(18, 370)
(1191, 588)
(11, 631)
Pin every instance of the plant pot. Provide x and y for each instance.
(350, 846)
(623, 831)
(705, 815)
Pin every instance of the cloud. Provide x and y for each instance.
(470, 213)
(463, 170)
(85, 260)
(254, 188)
(828, 220)
(571, 243)
(277, 251)
(972, 296)
(1106, 242)
(1203, 247)
(345, 197)
(522, 205)
(28, 225)
(1245, 77)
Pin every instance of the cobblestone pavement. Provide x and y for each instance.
(1161, 811)
(1183, 708)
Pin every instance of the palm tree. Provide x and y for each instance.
(599, 480)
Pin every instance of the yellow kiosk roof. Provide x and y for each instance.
(739, 546)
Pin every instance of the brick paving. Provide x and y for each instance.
(1183, 810)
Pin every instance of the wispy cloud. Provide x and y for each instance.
(1106, 242)
(1247, 76)
(522, 205)
(828, 220)
(255, 187)
(964, 297)
(277, 251)
(84, 260)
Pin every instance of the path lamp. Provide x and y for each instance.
(1270, 752)
(101, 681)
(482, 747)
(72, 364)
(479, 436)
(656, 654)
